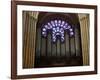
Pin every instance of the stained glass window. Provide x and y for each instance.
(57, 29)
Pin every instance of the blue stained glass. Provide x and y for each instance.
(57, 34)
(55, 24)
(66, 24)
(57, 27)
(71, 33)
(44, 29)
(63, 22)
(45, 26)
(64, 27)
(71, 29)
(50, 26)
(54, 29)
(62, 32)
(55, 21)
(59, 22)
(52, 22)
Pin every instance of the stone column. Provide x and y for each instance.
(84, 27)
(29, 35)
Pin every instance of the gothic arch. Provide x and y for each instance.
(49, 54)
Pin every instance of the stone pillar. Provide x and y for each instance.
(84, 27)
(29, 34)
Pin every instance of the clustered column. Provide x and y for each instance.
(29, 31)
(84, 26)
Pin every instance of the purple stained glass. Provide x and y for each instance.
(71, 33)
(71, 29)
(44, 29)
(57, 27)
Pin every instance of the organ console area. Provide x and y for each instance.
(43, 44)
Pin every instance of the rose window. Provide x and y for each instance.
(57, 29)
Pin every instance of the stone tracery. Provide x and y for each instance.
(57, 27)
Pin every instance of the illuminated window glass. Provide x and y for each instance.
(57, 28)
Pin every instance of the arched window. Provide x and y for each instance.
(57, 29)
